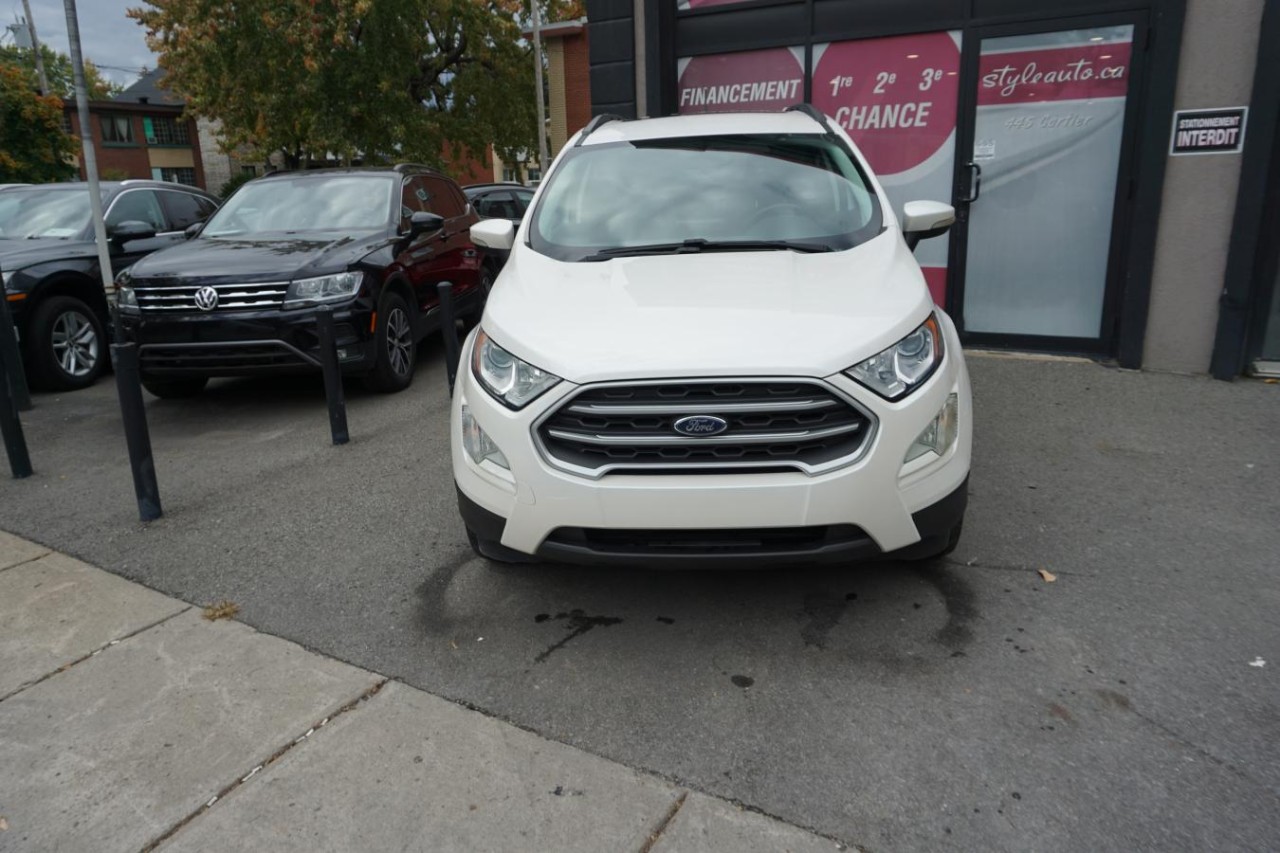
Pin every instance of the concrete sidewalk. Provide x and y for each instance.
(128, 721)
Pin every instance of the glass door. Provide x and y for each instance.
(1042, 185)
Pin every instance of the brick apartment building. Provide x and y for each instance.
(142, 133)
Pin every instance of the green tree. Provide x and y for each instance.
(33, 146)
(378, 79)
(57, 68)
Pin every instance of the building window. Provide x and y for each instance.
(535, 175)
(165, 130)
(66, 124)
(251, 171)
(508, 174)
(117, 129)
(184, 175)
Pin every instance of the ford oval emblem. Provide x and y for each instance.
(701, 425)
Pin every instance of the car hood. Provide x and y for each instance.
(712, 314)
(16, 254)
(260, 258)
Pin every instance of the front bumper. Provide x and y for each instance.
(870, 508)
(246, 343)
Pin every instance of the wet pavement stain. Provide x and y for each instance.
(960, 601)
(666, 620)
(823, 609)
(743, 681)
(578, 623)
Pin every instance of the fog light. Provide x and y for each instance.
(940, 434)
(478, 444)
(348, 353)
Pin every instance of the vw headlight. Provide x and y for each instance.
(5, 276)
(514, 382)
(125, 297)
(324, 288)
(903, 367)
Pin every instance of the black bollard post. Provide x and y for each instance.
(15, 444)
(10, 357)
(332, 375)
(449, 329)
(124, 357)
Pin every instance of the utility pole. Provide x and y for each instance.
(543, 160)
(35, 46)
(86, 144)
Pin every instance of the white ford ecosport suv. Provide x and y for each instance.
(711, 345)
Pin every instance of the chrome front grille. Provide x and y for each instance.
(236, 296)
(773, 425)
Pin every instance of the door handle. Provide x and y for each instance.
(975, 182)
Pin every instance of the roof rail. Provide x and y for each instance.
(594, 124)
(130, 181)
(812, 112)
(405, 167)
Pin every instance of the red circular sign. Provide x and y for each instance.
(751, 81)
(896, 97)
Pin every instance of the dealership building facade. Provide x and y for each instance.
(1115, 166)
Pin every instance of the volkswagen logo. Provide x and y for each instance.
(206, 299)
(701, 425)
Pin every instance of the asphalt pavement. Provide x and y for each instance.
(1130, 703)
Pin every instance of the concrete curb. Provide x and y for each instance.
(129, 722)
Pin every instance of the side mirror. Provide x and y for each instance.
(924, 219)
(496, 234)
(131, 229)
(422, 222)
(193, 229)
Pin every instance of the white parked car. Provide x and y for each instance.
(711, 345)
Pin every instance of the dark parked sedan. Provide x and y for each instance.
(239, 297)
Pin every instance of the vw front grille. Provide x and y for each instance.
(770, 425)
(238, 296)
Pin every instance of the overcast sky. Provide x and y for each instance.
(106, 35)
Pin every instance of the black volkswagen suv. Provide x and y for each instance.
(50, 266)
(239, 298)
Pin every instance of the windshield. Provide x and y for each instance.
(696, 192)
(36, 213)
(306, 203)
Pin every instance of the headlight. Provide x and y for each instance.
(477, 442)
(514, 382)
(903, 367)
(5, 276)
(324, 288)
(126, 298)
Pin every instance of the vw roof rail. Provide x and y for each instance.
(812, 112)
(603, 118)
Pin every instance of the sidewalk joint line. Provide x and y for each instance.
(666, 821)
(364, 696)
(94, 653)
(47, 552)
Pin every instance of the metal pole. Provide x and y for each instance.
(15, 444)
(86, 144)
(124, 358)
(449, 330)
(35, 45)
(537, 77)
(332, 375)
(11, 357)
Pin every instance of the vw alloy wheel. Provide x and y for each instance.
(399, 341)
(75, 343)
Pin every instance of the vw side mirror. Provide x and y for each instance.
(193, 229)
(129, 230)
(924, 219)
(422, 222)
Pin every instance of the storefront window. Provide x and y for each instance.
(753, 80)
(897, 99)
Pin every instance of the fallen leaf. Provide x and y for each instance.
(453, 645)
(1049, 577)
(222, 610)
(4, 825)
(1272, 381)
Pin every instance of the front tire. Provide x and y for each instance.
(68, 347)
(175, 389)
(395, 348)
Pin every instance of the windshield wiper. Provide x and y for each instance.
(700, 244)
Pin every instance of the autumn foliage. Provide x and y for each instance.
(378, 79)
(33, 146)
